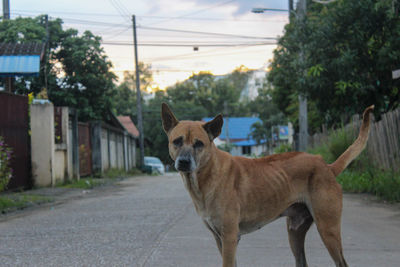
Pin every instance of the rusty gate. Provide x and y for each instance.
(85, 149)
(14, 128)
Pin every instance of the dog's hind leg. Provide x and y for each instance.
(327, 210)
(297, 227)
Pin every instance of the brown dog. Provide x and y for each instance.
(237, 195)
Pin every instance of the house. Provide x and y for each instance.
(236, 131)
(129, 125)
(20, 59)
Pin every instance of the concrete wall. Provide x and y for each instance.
(51, 163)
(42, 142)
(117, 148)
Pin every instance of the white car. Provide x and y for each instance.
(155, 164)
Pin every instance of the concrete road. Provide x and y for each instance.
(150, 221)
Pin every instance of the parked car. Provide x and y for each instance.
(155, 164)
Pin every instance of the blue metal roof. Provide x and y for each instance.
(238, 127)
(26, 65)
(249, 142)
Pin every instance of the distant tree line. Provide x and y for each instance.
(201, 95)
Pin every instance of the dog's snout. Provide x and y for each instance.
(185, 163)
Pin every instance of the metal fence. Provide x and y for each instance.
(85, 149)
(14, 125)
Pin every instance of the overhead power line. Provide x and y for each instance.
(193, 13)
(93, 14)
(207, 33)
(189, 45)
(122, 25)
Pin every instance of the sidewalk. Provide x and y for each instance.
(53, 196)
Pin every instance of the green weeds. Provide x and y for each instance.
(362, 176)
(15, 201)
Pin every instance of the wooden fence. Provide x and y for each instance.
(383, 147)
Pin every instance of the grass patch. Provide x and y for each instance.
(107, 177)
(384, 184)
(15, 201)
(361, 176)
(84, 183)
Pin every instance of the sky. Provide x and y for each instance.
(226, 32)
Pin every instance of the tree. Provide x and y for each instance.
(77, 70)
(124, 99)
(350, 48)
(268, 112)
(88, 82)
(33, 30)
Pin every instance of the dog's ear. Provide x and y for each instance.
(168, 118)
(214, 127)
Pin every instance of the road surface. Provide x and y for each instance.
(150, 221)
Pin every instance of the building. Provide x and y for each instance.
(19, 59)
(236, 131)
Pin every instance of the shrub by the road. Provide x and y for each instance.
(362, 175)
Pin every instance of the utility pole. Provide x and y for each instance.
(226, 116)
(46, 48)
(6, 9)
(6, 16)
(138, 97)
(303, 122)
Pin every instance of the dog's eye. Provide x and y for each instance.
(178, 141)
(198, 144)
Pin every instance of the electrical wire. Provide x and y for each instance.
(207, 33)
(120, 9)
(186, 45)
(21, 11)
(194, 13)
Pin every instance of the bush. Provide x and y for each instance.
(361, 176)
(5, 169)
(384, 184)
(282, 148)
(339, 141)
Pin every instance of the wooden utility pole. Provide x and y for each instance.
(303, 121)
(138, 97)
(8, 81)
(6, 9)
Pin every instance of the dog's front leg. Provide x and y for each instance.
(230, 238)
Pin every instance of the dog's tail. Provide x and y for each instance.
(356, 148)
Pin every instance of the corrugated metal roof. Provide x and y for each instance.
(19, 65)
(21, 49)
(249, 142)
(238, 127)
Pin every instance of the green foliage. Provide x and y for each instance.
(124, 99)
(349, 48)
(264, 108)
(339, 141)
(282, 148)
(384, 184)
(76, 72)
(362, 176)
(226, 147)
(201, 95)
(5, 168)
(84, 183)
(15, 201)
(88, 83)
